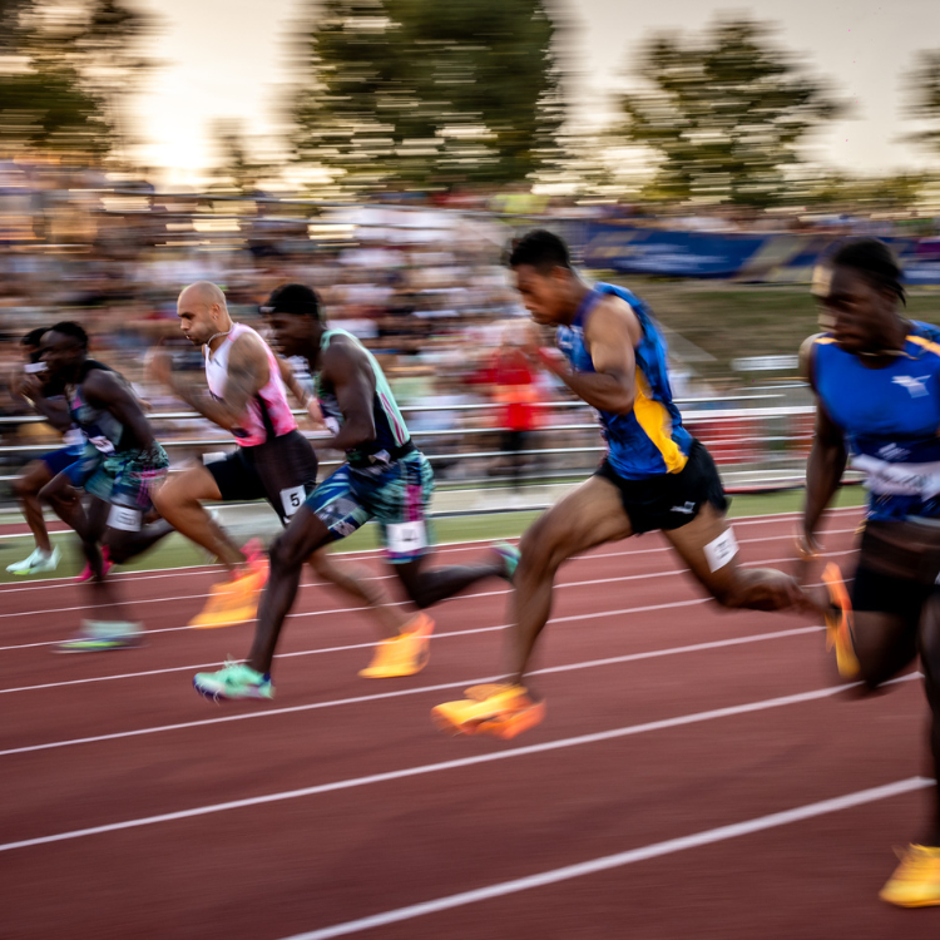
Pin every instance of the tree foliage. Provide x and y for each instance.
(924, 89)
(725, 114)
(398, 92)
(64, 70)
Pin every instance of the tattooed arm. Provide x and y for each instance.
(247, 374)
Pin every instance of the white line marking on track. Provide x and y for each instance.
(148, 574)
(631, 856)
(465, 683)
(387, 776)
(347, 610)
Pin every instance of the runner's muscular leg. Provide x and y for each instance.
(305, 533)
(591, 515)
(429, 586)
(729, 583)
(930, 666)
(358, 583)
(179, 501)
(27, 487)
(66, 502)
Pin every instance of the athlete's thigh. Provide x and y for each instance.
(303, 536)
(36, 474)
(590, 515)
(888, 613)
(194, 483)
(707, 546)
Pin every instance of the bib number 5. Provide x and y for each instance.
(292, 499)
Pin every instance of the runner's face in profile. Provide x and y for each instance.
(60, 353)
(858, 315)
(195, 318)
(542, 294)
(290, 335)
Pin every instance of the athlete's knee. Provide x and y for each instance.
(286, 553)
(165, 497)
(56, 492)
(540, 550)
(23, 487)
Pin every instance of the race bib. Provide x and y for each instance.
(720, 551)
(125, 519)
(292, 498)
(406, 537)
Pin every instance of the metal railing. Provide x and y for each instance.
(766, 442)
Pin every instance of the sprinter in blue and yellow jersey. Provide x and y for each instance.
(876, 376)
(655, 475)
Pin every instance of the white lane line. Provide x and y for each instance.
(353, 646)
(148, 574)
(458, 597)
(464, 683)
(631, 856)
(420, 770)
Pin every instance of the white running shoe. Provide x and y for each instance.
(37, 563)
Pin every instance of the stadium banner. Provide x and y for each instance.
(634, 250)
(783, 258)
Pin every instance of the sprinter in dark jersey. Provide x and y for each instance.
(118, 469)
(385, 477)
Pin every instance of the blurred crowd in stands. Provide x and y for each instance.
(422, 285)
(418, 278)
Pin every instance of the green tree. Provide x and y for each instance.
(68, 70)
(725, 115)
(923, 84)
(399, 92)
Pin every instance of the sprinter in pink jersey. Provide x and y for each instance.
(247, 395)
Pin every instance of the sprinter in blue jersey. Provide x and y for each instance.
(876, 376)
(385, 477)
(655, 475)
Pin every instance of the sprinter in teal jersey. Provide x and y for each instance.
(385, 477)
(655, 475)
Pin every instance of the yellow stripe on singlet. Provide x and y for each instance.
(656, 422)
(824, 340)
(926, 343)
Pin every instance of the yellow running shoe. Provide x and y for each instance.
(840, 624)
(234, 601)
(916, 881)
(499, 709)
(403, 655)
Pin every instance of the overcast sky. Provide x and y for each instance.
(227, 59)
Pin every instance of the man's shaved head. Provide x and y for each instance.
(204, 292)
(203, 312)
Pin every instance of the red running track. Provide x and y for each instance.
(699, 772)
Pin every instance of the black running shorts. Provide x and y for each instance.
(898, 568)
(670, 500)
(283, 471)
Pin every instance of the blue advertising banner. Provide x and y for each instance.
(775, 258)
(680, 254)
